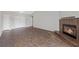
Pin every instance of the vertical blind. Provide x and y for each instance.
(6, 22)
(12, 22)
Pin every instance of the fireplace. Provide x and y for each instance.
(70, 30)
(70, 27)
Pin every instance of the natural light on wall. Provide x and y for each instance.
(12, 21)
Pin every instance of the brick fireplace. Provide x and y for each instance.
(70, 27)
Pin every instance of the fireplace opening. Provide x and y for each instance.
(70, 30)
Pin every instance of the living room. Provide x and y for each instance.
(36, 28)
(39, 29)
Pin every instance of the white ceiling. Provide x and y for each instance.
(26, 12)
(30, 13)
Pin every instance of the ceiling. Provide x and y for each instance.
(30, 13)
(26, 12)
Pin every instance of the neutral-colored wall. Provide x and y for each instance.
(69, 13)
(22, 21)
(11, 20)
(49, 20)
(0, 23)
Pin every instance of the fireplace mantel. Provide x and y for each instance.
(70, 21)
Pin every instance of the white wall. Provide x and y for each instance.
(69, 13)
(15, 20)
(12, 20)
(22, 21)
(0, 23)
(47, 20)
